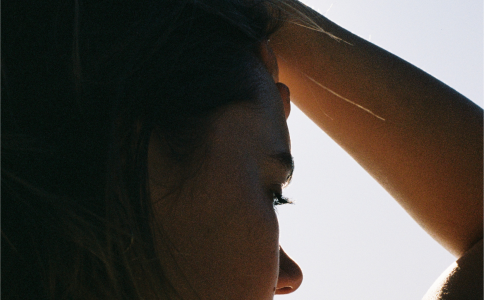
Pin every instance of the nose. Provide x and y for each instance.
(290, 275)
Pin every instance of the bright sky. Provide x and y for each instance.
(352, 240)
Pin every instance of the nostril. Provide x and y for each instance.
(289, 281)
(290, 274)
(283, 291)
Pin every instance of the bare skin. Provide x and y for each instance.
(219, 236)
(418, 137)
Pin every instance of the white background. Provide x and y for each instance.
(351, 239)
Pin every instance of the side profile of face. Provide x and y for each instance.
(219, 236)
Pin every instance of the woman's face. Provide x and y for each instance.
(219, 236)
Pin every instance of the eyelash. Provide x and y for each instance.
(279, 199)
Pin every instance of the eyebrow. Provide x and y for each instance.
(287, 161)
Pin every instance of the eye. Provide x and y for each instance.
(279, 199)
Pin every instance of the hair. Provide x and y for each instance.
(84, 85)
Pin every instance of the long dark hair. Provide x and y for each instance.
(84, 84)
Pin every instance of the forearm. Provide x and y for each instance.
(419, 138)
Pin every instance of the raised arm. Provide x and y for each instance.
(418, 137)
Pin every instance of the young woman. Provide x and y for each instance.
(144, 145)
(144, 148)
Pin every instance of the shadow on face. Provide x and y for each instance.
(219, 235)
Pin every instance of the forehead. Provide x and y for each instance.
(258, 124)
(269, 59)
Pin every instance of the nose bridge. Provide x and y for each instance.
(290, 274)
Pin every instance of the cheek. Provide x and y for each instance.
(224, 235)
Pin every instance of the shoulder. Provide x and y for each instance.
(462, 280)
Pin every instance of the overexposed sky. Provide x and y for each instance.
(351, 239)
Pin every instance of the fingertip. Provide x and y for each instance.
(286, 97)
